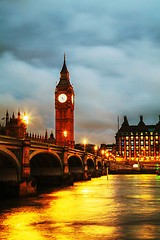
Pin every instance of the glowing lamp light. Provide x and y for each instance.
(65, 134)
(135, 165)
(25, 119)
(95, 148)
(84, 141)
(102, 152)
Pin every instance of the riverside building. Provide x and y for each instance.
(138, 142)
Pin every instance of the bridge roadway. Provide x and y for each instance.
(26, 165)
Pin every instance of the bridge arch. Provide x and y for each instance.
(91, 166)
(76, 167)
(9, 173)
(99, 164)
(9, 166)
(46, 168)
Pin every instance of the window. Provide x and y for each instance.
(151, 142)
(156, 137)
(141, 133)
(127, 143)
(151, 138)
(146, 142)
(127, 138)
(142, 142)
(136, 137)
(146, 137)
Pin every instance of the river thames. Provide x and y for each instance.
(122, 207)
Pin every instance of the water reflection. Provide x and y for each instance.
(124, 207)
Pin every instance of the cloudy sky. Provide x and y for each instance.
(112, 53)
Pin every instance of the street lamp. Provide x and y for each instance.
(84, 143)
(102, 152)
(95, 149)
(65, 135)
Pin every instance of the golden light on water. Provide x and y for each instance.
(95, 210)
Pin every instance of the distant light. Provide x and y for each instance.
(135, 165)
(65, 134)
(102, 152)
(25, 119)
(84, 141)
(95, 148)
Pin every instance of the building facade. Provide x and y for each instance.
(15, 126)
(138, 142)
(64, 107)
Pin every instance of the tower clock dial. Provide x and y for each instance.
(62, 98)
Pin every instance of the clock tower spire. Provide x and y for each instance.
(64, 106)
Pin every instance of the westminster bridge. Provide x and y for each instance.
(22, 160)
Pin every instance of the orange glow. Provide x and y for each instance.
(65, 134)
(102, 152)
(84, 141)
(25, 119)
(95, 148)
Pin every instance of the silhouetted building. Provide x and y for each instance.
(15, 126)
(138, 142)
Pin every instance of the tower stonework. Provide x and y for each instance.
(64, 106)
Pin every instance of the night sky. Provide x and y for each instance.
(113, 57)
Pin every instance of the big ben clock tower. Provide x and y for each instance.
(64, 105)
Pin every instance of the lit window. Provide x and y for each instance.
(136, 137)
(142, 138)
(146, 142)
(132, 143)
(137, 147)
(156, 142)
(146, 137)
(132, 137)
(151, 133)
(141, 133)
(156, 137)
(151, 137)
(127, 147)
(127, 138)
(142, 142)
(146, 147)
(127, 143)
(141, 147)
(127, 154)
(137, 143)
(151, 142)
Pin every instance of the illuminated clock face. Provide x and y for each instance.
(62, 98)
(72, 99)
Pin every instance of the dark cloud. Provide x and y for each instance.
(113, 57)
